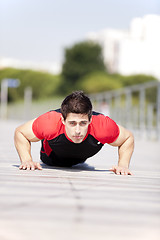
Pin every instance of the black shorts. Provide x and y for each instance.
(53, 160)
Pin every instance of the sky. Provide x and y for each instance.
(40, 30)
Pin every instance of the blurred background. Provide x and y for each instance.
(109, 49)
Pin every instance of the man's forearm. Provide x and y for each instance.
(23, 147)
(125, 152)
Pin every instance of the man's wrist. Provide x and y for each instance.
(123, 164)
(26, 161)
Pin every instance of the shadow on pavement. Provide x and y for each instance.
(76, 168)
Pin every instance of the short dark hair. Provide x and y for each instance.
(77, 102)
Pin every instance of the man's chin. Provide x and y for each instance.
(77, 140)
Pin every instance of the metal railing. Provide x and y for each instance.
(132, 108)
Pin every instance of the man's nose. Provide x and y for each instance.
(77, 129)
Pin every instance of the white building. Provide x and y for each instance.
(133, 51)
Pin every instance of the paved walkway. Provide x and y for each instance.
(85, 202)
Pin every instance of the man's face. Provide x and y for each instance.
(76, 126)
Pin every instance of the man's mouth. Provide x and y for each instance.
(77, 137)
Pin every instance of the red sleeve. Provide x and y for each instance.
(104, 129)
(46, 125)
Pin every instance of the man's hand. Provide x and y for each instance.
(30, 165)
(121, 170)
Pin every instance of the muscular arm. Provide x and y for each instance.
(125, 144)
(23, 138)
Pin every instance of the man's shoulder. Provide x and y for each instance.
(55, 114)
(48, 124)
(103, 128)
(51, 116)
(97, 117)
(98, 120)
(94, 113)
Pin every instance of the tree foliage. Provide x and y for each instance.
(43, 84)
(81, 59)
(134, 79)
(46, 85)
(98, 82)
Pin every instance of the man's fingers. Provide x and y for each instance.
(30, 166)
(38, 166)
(20, 167)
(130, 173)
(121, 170)
(113, 169)
(118, 172)
(33, 167)
(127, 172)
(24, 166)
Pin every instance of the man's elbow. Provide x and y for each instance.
(131, 138)
(17, 131)
(18, 134)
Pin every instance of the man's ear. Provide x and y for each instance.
(62, 119)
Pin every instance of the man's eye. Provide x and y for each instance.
(72, 123)
(83, 123)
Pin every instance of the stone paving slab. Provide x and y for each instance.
(84, 202)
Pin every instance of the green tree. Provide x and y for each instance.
(130, 80)
(44, 85)
(98, 82)
(134, 79)
(80, 60)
